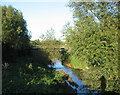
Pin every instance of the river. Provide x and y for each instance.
(81, 88)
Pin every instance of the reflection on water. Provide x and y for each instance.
(81, 88)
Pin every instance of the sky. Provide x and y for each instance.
(41, 15)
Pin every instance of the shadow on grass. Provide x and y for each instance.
(31, 75)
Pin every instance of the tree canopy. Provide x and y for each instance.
(15, 36)
(98, 40)
(94, 37)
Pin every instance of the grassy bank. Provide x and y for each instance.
(30, 74)
(74, 61)
(77, 63)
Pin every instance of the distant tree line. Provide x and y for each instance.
(46, 43)
(48, 39)
(15, 36)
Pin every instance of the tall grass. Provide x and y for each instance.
(78, 62)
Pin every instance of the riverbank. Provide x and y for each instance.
(30, 74)
(74, 62)
(96, 77)
(67, 64)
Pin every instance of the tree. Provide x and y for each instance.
(49, 35)
(94, 36)
(87, 36)
(48, 38)
(35, 42)
(15, 38)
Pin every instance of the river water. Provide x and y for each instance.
(81, 88)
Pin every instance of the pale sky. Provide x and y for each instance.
(41, 16)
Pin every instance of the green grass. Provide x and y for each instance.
(78, 63)
(31, 75)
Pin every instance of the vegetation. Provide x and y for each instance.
(49, 40)
(29, 75)
(92, 41)
(94, 38)
(92, 78)
(25, 69)
(51, 45)
(35, 42)
(15, 36)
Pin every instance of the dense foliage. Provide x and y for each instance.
(15, 36)
(31, 75)
(94, 37)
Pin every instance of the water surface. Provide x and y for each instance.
(82, 88)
